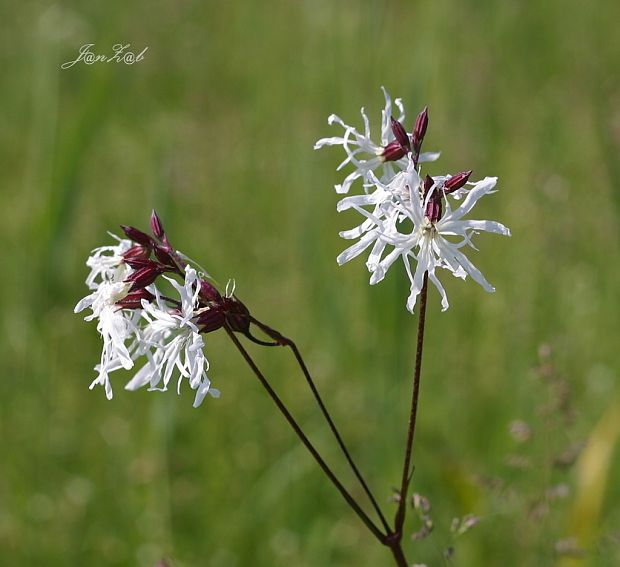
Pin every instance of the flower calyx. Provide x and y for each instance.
(419, 131)
(400, 146)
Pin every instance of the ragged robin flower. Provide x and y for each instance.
(137, 320)
(366, 156)
(419, 219)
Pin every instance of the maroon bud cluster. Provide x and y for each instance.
(150, 257)
(403, 144)
(153, 255)
(434, 207)
(221, 311)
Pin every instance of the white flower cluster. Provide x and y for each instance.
(418, 219)
(364, 154)
(166, 337)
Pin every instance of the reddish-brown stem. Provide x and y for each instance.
(399, 556)
(407, 472)
(304, 439)
(284, 341)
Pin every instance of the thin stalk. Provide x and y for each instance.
(407, 472)
(399, 556)
(284, 341)
(302, 436)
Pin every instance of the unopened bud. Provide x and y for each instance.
(211, 319)
(237, 315)
(145, 276)
(393, 151)
(419, 129)
(137, 235)
(133, 300)
(428, 183)
(156, 226)
(400, 134)
(166, 244)
(457, 181)
(138, 263)
(136, 252)
(208, 292)
(434, 209)
(163, 255)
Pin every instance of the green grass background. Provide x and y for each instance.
(215, 129)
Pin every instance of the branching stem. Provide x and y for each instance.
(284, 341)
(304, 439)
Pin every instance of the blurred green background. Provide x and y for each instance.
(215, 129)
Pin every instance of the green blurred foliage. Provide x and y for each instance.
(215, 129)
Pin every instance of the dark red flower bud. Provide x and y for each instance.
(211, 319)
(145, 276)
(419, 129)
(428, 183)
(136, 252)
(237, 315)
(137, 263)
(394, 151)
(434, 209)
(133, 300)
(156, 226)
(166, 244)
(164, 256)
(209, 293)
(400, 133)
(137, 235)
(457, 181)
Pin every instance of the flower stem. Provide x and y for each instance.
(284, 341)
(399, 556)
(407, 472)
(304, 439)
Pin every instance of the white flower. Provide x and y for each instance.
(115, 325)
(432, 244)
(106, 263)
(379, 222)
(171, 341)
(363, 153)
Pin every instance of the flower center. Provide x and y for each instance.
(428, 228)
